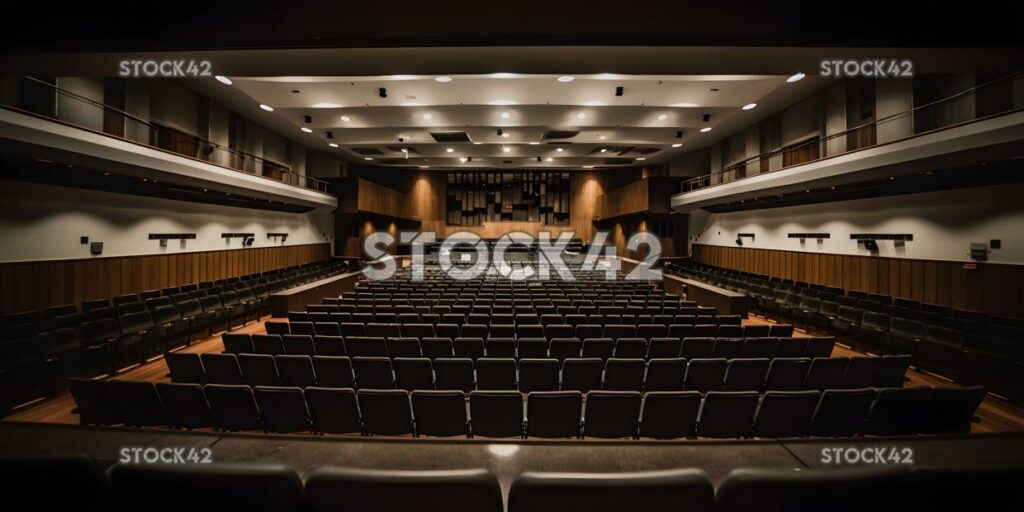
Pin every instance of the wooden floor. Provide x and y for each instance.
(995, 414)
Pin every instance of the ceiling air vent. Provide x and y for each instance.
(368, 151)
(450, 136)
(561, 134)
(646, 151)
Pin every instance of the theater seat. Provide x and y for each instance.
(656, 491)
(185, 405)
(75, 482)
(612, 414)
(553, 414)
(333, 410)
(331, 489)
(385, 411)
(282, 409)
(440, 413)
(833, 489)
(172, 488)
(496, 413)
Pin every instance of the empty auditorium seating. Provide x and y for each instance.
(659, 491)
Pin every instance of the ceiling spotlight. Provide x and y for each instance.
(705, 129)
(549, 159)
(619, 90)
(443, 79)
(428, 116)
(749, 106)
(405, 150)
(268, 108)
(679, 134)
(796, 78)
(566, 79)
(382, 92)
(462, 159)
(307, 130)
(677, 144)
(505, 115)
(475, 143)
(506, 135)
(506, 149)
(331, 144)
(535, 143)
(223, 79)
(450, 150)
(581, 115)
(600, 137)
(641, 158)
(588, 166)
(662, 117)
(559, 149)
(367, 158)
(604, 150)
(346, 118)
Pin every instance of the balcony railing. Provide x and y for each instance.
(984, 101)
(42, 99)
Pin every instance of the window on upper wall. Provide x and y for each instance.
(474, 198)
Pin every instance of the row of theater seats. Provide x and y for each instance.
(544, 414)
(499, 330)
(557, 348)
(80, 483)
(526, 375)
(389, 311)
(967, 346)
(38, 349)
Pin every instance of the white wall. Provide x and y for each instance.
(944, 224)
(42, 222)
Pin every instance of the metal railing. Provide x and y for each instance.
(984, 101)
(42, 99)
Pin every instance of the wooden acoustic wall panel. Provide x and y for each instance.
(42, 284)
(625, 200)
(381, 200)
(993, 288)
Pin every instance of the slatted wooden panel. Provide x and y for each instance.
(41, 284)
(993, 288)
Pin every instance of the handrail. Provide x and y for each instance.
(236, 158)
(822, 142)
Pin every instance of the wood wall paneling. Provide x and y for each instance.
(993, 288)
(42, 284)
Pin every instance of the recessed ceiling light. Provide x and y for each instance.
(223, 79)
(677, 144)
(327, 105)
(581, 115)
(549, 159)
(560, 149)
(505, 115)
(502, 102)
(450, 150)
(307, 130)
(662, 117)
(604, 150)
(566, 79)
(505, 134)
(443, 79)
(346, 118)
(796, 78)
(463, 159)
(428, 116)
(600, 137)
(705, 129)
(641, 158)
(506, 149)
(684, 105)
(331, 144)
(268, 108)
(367, 158)
(749, 106)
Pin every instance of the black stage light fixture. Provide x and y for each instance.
(538, 159)
(620, 90)
(330, 135)
(382, 92)
(679, 134)
(707, 118)
(308, 119)
(499, 132)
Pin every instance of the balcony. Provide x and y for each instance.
(965, 122)
(41, 114)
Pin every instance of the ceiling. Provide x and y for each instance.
(453, 121)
